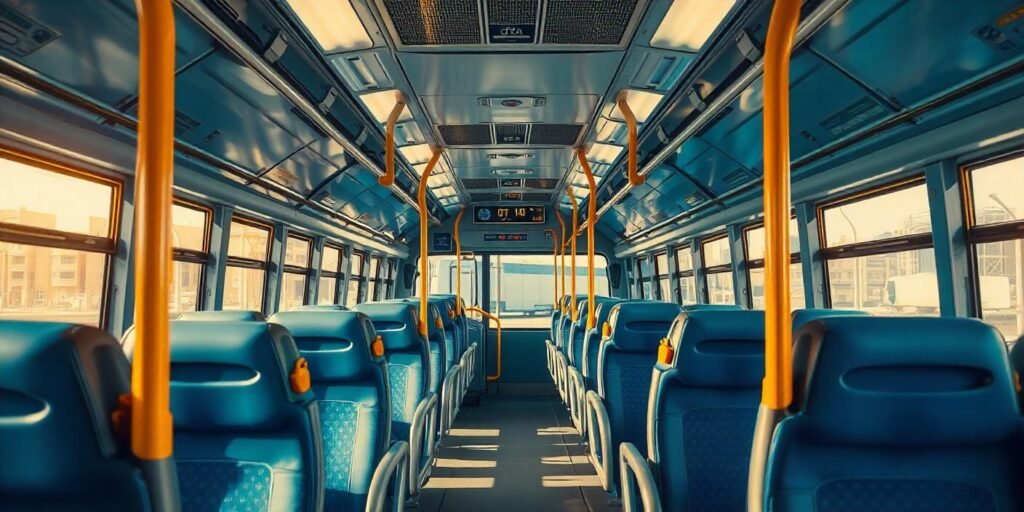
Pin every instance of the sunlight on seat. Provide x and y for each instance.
(460, 483)
(565, 460)
(571, 481)
(477, 447)
(474, 432)
(555, 431)
(462, 463)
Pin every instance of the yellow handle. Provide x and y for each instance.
(421, 198)
(496, 376)
(458, 263)
(572, 251)
(554, 240)
(389, 141)
(635, 179)
(561, 254)
(581, 155)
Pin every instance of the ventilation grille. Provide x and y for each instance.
(536, 197)
(605, 21)
(478, 183)
(481, 197)
(555, 134)
(450, 22)
(510, 133)
(544, 183)
(466, 134)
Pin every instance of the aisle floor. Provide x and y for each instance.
(514, 453)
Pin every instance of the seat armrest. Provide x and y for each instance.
(388, 487)
(599, 436)
(635, 475)
(422, 426)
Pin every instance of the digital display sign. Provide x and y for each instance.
(505, 237)
(508, 214)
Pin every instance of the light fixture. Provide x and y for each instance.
(448, 201)
(381, 103)
(437, 180)
(642, 103)
(612, 131)
(689, 23)
(443, 192)
(418, 154)
(333, 23)
(603, 153)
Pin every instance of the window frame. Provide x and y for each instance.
(684, 274)
(338, 274)
(659, 274)
(638, 270)
(758, 263)
(250, 263)
(374, 280)
(356, 274)
(202, 258)
(715, 269)
(389, 277)
(307, 271)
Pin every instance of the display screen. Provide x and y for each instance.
(508, 214)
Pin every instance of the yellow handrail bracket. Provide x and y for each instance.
(581, 155)
(421, 198)
(458, 262)
(389, 141)
(635, 179)
(561, 255)
(554, 240)
(572, 251)
(497, 321)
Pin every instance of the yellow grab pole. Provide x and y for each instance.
(152, 431)
(554, 267)
(458, 263)
(778, 378)
(497, 321)
(389, 141)
(561, 255)
(421, 198)
(635, 178)
(572, 250)
(581, 155)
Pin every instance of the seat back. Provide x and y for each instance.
(223, 316)
(592, 340)
(320, 307)
(565, 323)
(624, 364)
(458, 326)
(576, 330)
(1017, 364)
(435, 340)
(246, 429)
(445, 312)
(58, 447)
(703, 406)
(350, 383)
(913, 411)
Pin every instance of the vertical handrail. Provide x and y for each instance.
(581, 155)
(458, 262)
(561, 255)
(554, 267)
(152, 434)
(497, 321)
(572, 250)
(777, 391)
(421, 198)
(635, 179)
(388, 178)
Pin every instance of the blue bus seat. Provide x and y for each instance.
(458, 326)
(223, 316)
(565, 323)
(802, 342)
(575, 340)
(59, 448)
(592, 340)
(445, 312)
(913, 412)
(1017, 364)
(320, 307)
(703, 405)
(350, 385)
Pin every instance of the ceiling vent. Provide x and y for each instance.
(605, 22)
(466, 134)
(555, 134)
(536, 197)
(510, 133)
(451, 22)
(483, 197)
(478, 183)
(505, 102)
(518, 134)
(544, 183)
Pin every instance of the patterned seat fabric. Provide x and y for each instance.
(624, 364)
(592, 341)
(350, 383)
(901, 414)
(703, 407)
(58, 449)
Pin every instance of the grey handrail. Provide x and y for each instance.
(599, 438)
(448, 407)
(394, 464)
(635, 474)
(423, 420)
(577, 400)
(764, 429)
(550, 347)
(563, 377)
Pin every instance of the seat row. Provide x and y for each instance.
(915, 413)
(313, 409)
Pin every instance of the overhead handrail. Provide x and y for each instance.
(458, 262)
(635, 179)
(592, 217)
(388, 178)
(421, 197)
(497, 321)
(554, 267)
(561, 255)
(572, 237)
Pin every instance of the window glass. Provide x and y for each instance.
(357, 264)
(375, 267)
(188, 229)
(720, 288)
(716, 252)
(661, 264)
(331, 260)
(897, 283)
(998, 192)
(1000, 267)
(248, 241)
(293, 291)
(353, 293)
(327, 290)
(39, 198)
(664, 289)
(688, 290)
(49, 284)
(188, 232)
(755, 241)
(296, 252)
(894, 214)
(185, 286)
(684, 259)
(442, 278)
(525, 287)
(796, 287)
(243, 288)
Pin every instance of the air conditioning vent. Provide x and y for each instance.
(536, 197)
(483, 197)
(478, 183)
(605, 21)
(736, 177)
(512, 21)
(555, 134)
(521, 134)
(451, 22)
(544, 183)
(510, 183)
(694, 199)
(466, 134)
(510, 156)
(511, 196)
(510, 133)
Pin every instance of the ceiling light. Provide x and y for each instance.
(603, 153)
(642, 103)
(437, 180)
(444, 192)
(689, 23)
(417, 154)
(448, 201)
(381, 103)
(612, 131)
(333, 23)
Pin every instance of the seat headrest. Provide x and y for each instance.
(712, 307)
(223, 316)
(719, 348)
(909, 381)
(448, 298)
(233, 375)
(445, 310)
(396, 323)
(602, 308)
(320, 307)
(337, 344)
(640, 326)
(802, 316)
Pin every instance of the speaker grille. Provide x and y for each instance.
(435, 23)
(555, 134)
(512, 12)
(544, 183)
(510, 133)
(466, 134)
(605, 21)
(478, 183)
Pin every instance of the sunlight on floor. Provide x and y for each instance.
(460, 483)
(565, 460)
(556, 431)
(466, 464)
(477, 447)
(474, 432)
(571, 481)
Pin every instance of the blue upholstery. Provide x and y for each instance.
(802, 316)
(624, 364)
(565, 323)
(350, 384)
(58, 450)
(320, 307)
(576, 329)
(1017, 364)
(435, 338)
(802, 345)
(592, 341)
(445, 310)
(712, 307)
(223, 316)
(459, 322)
(703, 407)
(914, 414)
(242, 435)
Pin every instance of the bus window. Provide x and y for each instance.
(863, 270)
(330, 273)
(996, 226)
(375, 278)
(754, 243)
(522, 287)
(296, 271)
(389, 280)
(55, 256)
(442, 278)
(684, 274)
(718, 269)
(189, 235)
(246, 272)
(643, 277)
(355, 282)
(661, 277)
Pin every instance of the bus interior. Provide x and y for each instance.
(512, 255)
